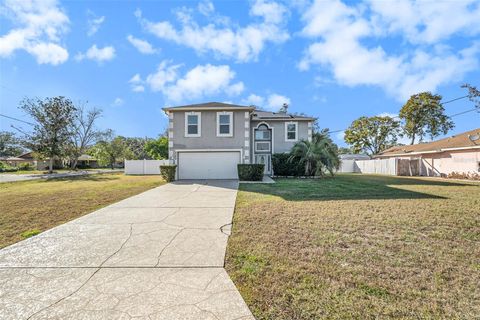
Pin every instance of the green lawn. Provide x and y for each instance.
(358, 247)
(30, 207)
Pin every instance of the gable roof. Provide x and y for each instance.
(461, 140)
(209, 106)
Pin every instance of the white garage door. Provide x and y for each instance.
(208, 165)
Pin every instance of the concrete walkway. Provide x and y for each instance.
(157, 255)
(9, 177)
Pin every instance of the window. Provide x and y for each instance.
(262, 146)
(291, 131)
(193, 124)
(262, 133)
(224, 124)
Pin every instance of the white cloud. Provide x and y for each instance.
(118, 102)
(254, 100)
(93, 23)
(39, 25)
(225, 41)
(276, 101)
(272, 102)
(206, 7)
(143, 46)
(136, 83)
(425, 21)
(97, 54)
(341, 32)
(197, 83)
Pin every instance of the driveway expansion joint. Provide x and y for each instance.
(108, 263)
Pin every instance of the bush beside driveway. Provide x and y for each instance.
(357, 246)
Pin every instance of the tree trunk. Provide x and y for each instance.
(74, 163)
(413, 140)
(50, 165)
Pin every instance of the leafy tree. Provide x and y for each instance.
(344, 150)
(424, 114)
(318, 156)
(137, 147)
(158, 148)
(473, 95)
(52, 131)
(372, 134)
(84, 133)
(110, 148)
(9, 144)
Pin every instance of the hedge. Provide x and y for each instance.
(284, 168)
(250, 172)
(168, 172)
(7, 168)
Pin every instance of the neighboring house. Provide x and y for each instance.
(208, 140)
(38, 163)
(13, 161)
(87, 161)
(459, 153)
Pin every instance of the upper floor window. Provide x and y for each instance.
(262, 132)
(291, 131)
(193, 124)
(224, 124)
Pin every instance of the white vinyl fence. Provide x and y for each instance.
(379, 166)
(143, 166)
(347, 166)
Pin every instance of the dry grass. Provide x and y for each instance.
(358, 247)
(37, 205)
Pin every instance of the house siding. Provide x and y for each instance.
(279, 143)
(208, 138)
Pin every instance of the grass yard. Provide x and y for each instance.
(46, 171)
(358, 247)
(30, 207)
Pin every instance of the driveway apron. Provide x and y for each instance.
(156, 255)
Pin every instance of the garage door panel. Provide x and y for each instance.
(208, 165)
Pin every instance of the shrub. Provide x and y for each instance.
(168, 172)
(284, 168)
(6, 168)
(250, 172)
(26, 166)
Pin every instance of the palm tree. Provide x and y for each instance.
(318, 156)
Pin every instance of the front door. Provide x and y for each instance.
(265, 159)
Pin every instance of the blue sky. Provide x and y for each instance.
(330, 59)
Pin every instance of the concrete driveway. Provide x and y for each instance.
(157, 255)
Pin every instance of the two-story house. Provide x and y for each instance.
(208, 140)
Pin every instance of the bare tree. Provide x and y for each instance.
(85, 132)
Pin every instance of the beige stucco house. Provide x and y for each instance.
(459, 153)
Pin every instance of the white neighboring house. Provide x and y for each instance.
(208, 140)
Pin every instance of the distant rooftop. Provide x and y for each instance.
(461, 140)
